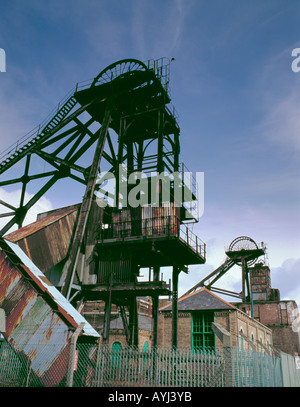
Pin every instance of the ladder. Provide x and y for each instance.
(71, 264)
(22, 147)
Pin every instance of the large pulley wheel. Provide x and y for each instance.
(244, 244)
(117, 69)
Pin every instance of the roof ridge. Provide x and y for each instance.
(35, 226)
(202, 289)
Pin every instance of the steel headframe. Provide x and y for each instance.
(65, 139)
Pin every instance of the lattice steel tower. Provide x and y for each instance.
(125, 116)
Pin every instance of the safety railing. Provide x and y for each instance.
(192, 240)
(152, 227)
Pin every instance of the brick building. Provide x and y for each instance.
(201, 314)
(275, 322)
(281, 316)
(94, 311)
(117, 335)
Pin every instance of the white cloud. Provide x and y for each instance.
(13, 198)
(286, 279)
(282, 123)
(275, 92)
(157, 30)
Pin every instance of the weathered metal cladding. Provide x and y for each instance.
(160, 220)
(146, 221)
(39, 321)
(30, 325)
(117, 270)
(121, 223)
(17, 303)
(36, 277)
(95, 221)
(9, 279)
(47, 240)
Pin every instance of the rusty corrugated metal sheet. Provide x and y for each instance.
(47, 240)
(39, 320)
(146, 221)
(119, 270)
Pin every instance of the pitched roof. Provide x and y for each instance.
(200, 300)
(39, 224)
(144, 322)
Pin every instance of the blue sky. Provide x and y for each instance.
(231, 83)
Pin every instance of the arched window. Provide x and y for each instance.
(242, 339)
(146, 347)
(145, 351)
(117, 346)
(116, 357)
(260, 342)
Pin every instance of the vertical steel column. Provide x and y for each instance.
(107, 312)
(176, 151)
(155, 308)
(176, 272)
(140, 155)
(160, 144)
(133, 322)
(119, 160)
(243, 280)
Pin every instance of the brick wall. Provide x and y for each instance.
(281, 317)
(118, 335)
(285, 339)
(232, 320)
(256, 335)
(165, 329)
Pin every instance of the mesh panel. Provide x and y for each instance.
(107, 366)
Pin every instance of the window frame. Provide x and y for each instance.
(202, 335)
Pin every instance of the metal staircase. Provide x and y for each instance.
(23, 146)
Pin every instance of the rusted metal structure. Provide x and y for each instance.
(125, 114)
(40, 322)
(46, 242)
(242, 251)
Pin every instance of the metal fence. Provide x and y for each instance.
(290, 370)
(105, 366)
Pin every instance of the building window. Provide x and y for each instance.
(116, 354)
(145, 352)
(203, 336)
(260, 343)
(146, 347)
(242, 339)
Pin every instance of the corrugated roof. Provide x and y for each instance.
(38, 224)
(64, 307)
(200, 300)
(46, 241)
